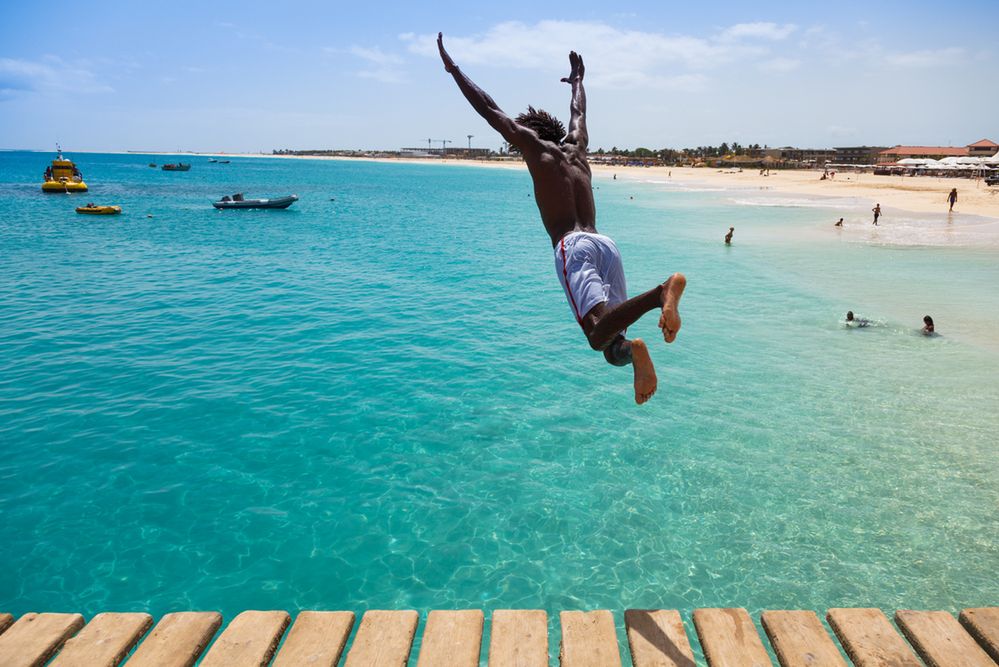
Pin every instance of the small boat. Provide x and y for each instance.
(224, 161)
(180, 166)
(211, 159)
(237, 201)
(63, 176)
(94, 209)
(152, 164)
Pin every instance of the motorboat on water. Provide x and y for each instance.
(94, 209)
(180, 166)
(63, 176)
(238, 201)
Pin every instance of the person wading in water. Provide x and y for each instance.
(587, 263)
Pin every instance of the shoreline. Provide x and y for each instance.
(910, 194)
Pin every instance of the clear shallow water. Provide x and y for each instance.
(382, 401)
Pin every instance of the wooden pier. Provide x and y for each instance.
(517, 638)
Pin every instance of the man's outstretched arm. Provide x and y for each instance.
(577, 106)
(484, 104)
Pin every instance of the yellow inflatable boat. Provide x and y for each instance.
(63, 176)
(94, 209)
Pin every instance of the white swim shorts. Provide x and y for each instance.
(590, 270)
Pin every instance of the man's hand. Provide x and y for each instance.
(576, 68)
(449, 65)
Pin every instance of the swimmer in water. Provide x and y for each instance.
(927, 326)
(858, 322)
(839, 223)
(728, 237)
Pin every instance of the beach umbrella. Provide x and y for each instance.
(950, 160)
(911, 161)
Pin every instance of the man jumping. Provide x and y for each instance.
(588, 264)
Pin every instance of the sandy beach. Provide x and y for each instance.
(919, 194)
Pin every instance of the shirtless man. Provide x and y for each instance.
(588, 264)
(728, 237)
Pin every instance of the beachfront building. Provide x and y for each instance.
(983, 148)
(790, 156)
(858, 154)
(896, 153)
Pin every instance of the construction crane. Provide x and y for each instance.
(444, 143)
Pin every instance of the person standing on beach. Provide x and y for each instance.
(728, 237)
(952, 198)
(588, 264)
(877, 213)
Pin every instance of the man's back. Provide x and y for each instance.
(562, 189)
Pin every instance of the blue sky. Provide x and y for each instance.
(249, 76)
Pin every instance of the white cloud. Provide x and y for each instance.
(384, 66)
(780, 65)
(376, 56)
(50, 75)
(758, 30)
(615, 57)
(928, 57)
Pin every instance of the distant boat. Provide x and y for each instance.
(224, 161)
(63, 176)
(152, 164)
(180, 166)
(237, 201)
(211, 159)
(94, 209)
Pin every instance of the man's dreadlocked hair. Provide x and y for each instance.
(547, 126)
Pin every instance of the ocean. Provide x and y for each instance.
(378, 398)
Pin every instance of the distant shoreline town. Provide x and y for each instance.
(881, 159)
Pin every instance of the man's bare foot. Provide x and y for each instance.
(669, 321)
(645, 372)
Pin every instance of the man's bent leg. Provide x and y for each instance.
(645, 372)
(618, 353)
(601, 324)
(669, 321)
(622, 352)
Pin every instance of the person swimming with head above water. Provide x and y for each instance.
(928, 328)
(853, 321)
(588, 264)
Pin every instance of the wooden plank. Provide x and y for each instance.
(250, 640)
(451, 639)
(105, 641)
(6, 620)
(33, 639)
(657, 639)
(869, 638)
(518, 638)
(384, 639)
(177, 640)
(940, 640)
(588, 639)
(729, 638)
(983, 625)
(316, 639)
(799, 640)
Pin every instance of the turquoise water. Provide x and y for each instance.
(381, 401)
